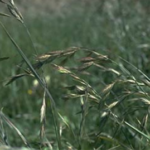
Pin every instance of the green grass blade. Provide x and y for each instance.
(53, 106)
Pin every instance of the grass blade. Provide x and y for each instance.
(53, 106)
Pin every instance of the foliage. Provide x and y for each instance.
(100, 96)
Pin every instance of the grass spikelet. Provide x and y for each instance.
(86, 59)
(61, 69)
(43, 57)
(14, 11)
(112, 105)
(43, 116)
(108, 88)
(142, 99)
(114, 71)
(43, 109)
(85, 66)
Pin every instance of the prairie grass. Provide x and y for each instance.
(79, 80)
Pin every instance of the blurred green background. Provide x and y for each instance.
(112, 27)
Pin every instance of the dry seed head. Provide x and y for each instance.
(81, 88)
(12, 2)
(104, 114)
(108, 87)
(103, 57)
(114, 71)
(113, 104)
(43, 109)
(60, 129)
(86, 59)
(61, 69)
(43, 57)
(81, 100)
(93, 97)
(14, 11)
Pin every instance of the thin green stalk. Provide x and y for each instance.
(53, 106)
(84, 105)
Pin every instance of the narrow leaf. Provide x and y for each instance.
(14, 127)
(12, 79)
(3, 58)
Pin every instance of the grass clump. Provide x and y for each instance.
(101, 96)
